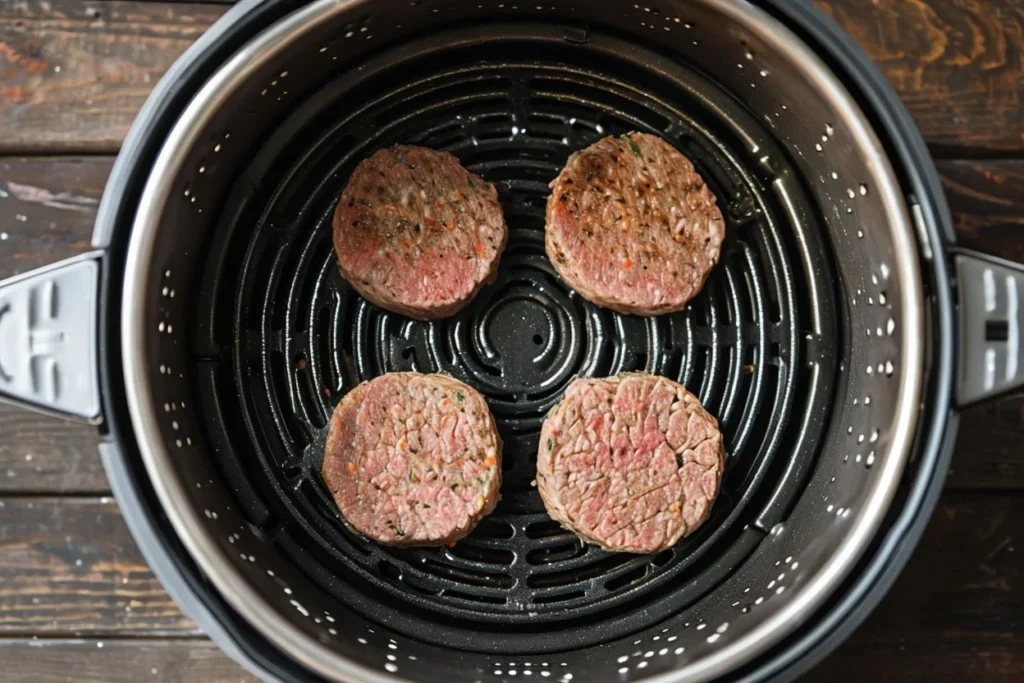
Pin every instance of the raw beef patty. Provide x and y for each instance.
(632, 463)
(416, 233)
(632, 227)
(413, 459)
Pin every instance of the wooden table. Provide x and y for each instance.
(77, 601)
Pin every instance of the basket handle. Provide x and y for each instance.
(48, 328)
(991, 297)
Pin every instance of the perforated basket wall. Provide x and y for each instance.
(251, 337)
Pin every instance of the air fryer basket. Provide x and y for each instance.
(239, 336)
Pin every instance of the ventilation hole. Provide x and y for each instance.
(474, 553)
(305, 383)
(558, 91)
(673, 366)
(508, 462)
(640, 362)
(490, 370)
(558, 553)
(538, 340)
(281, 386)
(697, 369)
(389, 570)
(612, 125)
(755, 424)
(663, 558)
(265, 264)
(328, 374)
(545, 529)
(561, 597)
(626, 579)
(467, 576)
(481, 93)
(579, 574)
(489, 599)
(493, 528)
(424, 586)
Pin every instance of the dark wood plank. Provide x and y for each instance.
(954, 657)
(117, 661)
(987, 198)
(957, 66)
(957, 612)
(47, 208)
(990, 449)
(70, 568)
(74, 74)
(44, 455)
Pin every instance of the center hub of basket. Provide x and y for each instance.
(524, 338)
(522, 333)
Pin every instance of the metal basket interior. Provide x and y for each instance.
(240, 336)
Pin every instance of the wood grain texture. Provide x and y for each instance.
(44, 455)
(47, 208)
(956, 65)
(987, 198)
(70, 568)
(956, 613)
(117, 661)
(74, 75)
(949, 657)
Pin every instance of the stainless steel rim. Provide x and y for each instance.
(249, 603)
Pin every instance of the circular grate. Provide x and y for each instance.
(302, 338)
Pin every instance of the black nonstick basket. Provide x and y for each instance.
(211, 335)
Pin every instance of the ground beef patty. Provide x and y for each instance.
(632, 227)
(632, 463)
(413, 459)
(416, 233)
